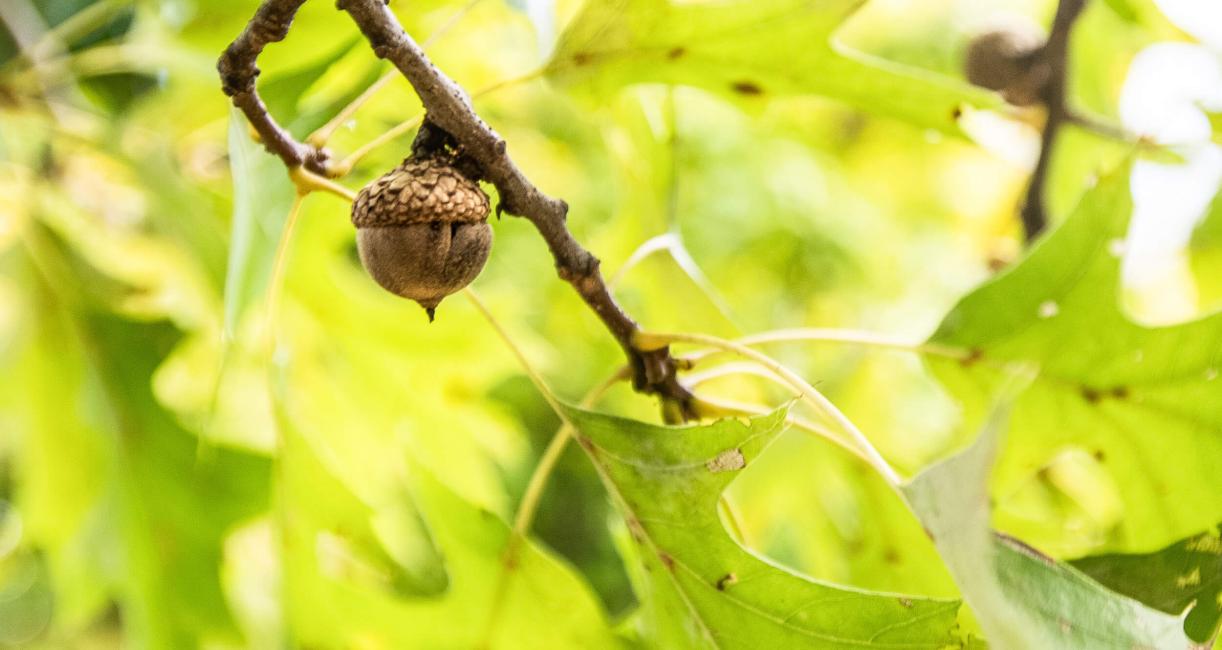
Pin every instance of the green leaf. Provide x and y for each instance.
(1215, 123)
(701, 589)
(142, 518)
(1185, 574)
(262, 197)
(1022, 598)
(1205, 250)
(749, 49)
(337, 593)
(282, 94)
(262, 192)
(1122, 428)
(542, 15)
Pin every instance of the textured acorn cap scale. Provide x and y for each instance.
(422, 230)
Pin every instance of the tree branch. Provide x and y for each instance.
(1053, 59)
(449, 109)
(238, 70)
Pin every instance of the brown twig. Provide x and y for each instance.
(1053, 58)
(448, 109)
(238, 70)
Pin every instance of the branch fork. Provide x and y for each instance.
(449, 112)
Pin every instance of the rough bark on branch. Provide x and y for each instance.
(448, 108)
(239, 71)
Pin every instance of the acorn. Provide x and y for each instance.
(1007, 60)
(422, 230)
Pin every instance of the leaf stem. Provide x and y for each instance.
(449, 110)
(344, 167)
(726, 408)
(307, 181)
(535, 378)
(531, 498)
(824, 335)
(551, 455)
(274, 286)
(322, 135)
(809, 393)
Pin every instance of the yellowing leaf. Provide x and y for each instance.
(749, 49)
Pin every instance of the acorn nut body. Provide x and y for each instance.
(422, 230)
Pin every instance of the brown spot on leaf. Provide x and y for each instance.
(1090, 394)
(726, 580)
(956, 113)
(667, 561)
(973, 356)
(1099, 455)
(906, 603)
(676, 52)
(581, 58)
(748, 88)
(891, 556)
(1120, 392)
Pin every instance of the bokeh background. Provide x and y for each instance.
(211, 419)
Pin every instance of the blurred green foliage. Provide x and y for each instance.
(216, 431)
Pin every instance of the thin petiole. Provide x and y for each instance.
(648, 340)
(345, 166)
(832, 335)
(322, 135)
(307, 181)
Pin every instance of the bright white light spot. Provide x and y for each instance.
(1012, 141)
(1048, 309)
(1116, 247)
(1200, 18)
(1167, 86)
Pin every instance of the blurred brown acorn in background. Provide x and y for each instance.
(1009, 60)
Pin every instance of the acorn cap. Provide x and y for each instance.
(420, 190)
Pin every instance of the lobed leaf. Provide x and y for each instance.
(703, 590)
(1022, 598)
(1186, 575)
(1123, 421)
(748, 49)
(348, 582)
